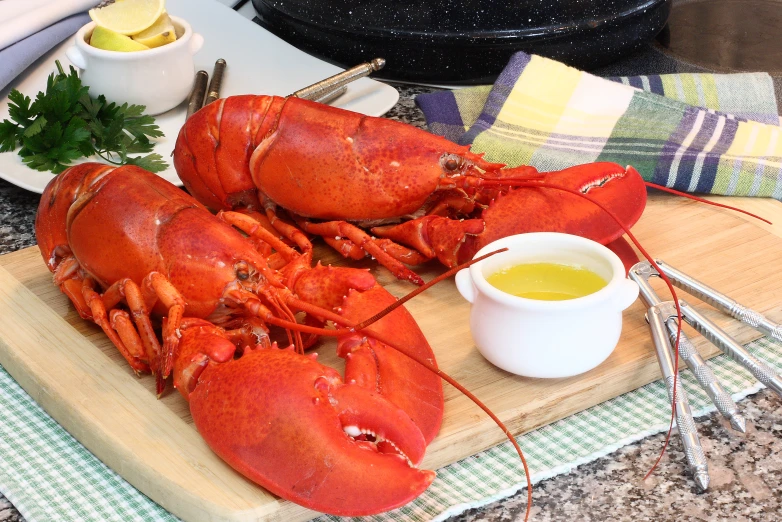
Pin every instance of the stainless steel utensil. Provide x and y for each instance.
(326, 89)
(696, 458)
(640, 273)
(663, 321)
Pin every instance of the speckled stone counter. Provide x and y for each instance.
(746, 469)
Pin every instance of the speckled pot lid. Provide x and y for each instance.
(465, 20)
(463, 42)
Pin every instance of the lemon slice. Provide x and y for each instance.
(159, 33)
(127, 16)
(108, 40)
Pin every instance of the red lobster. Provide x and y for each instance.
(131, 250)
(337, 172)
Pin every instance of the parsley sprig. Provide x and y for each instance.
(64, 124)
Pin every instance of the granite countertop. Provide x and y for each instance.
(746, 469)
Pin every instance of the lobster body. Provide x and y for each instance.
(139, 256)
(426, 196)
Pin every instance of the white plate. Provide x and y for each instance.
(258, 63)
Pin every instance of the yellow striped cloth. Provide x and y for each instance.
(543, 113)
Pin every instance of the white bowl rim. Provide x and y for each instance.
(134, 55)
(594, 298)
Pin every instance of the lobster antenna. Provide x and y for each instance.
(349, 327)
(402, 300)
(450, 380)
(702, 200)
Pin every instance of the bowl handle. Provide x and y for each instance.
(464, 284)
(76, 57)
(196, 42)
(627, 294)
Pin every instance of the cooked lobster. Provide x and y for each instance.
(137, 256)
(337, 173)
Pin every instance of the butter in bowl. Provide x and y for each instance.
(545, 333)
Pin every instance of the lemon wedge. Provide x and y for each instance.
(108, 40)
(159, 33)
(127, 16)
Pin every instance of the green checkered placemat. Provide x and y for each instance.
(49, 476)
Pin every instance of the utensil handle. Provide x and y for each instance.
(321, 89)
(735, 351)
(213, 92)
(702, 372)
(721, 301)
(696, 458)
(196, 100)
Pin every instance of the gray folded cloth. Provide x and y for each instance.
(17, 57)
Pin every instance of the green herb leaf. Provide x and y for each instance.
(150, 162)
(19, 108)
(35, 127)
(8, 132)
(64, 124)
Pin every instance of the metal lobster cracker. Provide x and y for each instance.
(662, 318)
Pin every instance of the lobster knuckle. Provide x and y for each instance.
(327, 286)
(199, 345)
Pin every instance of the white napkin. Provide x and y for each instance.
(21, 18)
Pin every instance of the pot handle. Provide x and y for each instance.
(464, 284)
(76, 57)
(196, 42)
(626, 294)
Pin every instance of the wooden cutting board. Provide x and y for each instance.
(76, 375)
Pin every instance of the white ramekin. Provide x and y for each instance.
(160, 78)
(536, 338)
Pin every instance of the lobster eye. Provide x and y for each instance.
(451, 162)
(242, 271)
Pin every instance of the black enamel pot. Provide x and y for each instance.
(469, 42)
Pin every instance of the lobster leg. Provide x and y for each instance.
(129, 291)
(433, 236)
(365, 242)
(530, 209)
(132, 350)
(122, 324)
(157, 287)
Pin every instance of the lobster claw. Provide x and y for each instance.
(290, 424)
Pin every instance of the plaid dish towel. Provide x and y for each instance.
(676, 130)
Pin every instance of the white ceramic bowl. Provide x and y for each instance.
(160, 78)
(537, 338)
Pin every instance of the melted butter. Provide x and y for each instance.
(547, 281)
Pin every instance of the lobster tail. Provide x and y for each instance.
(216, 170)
(55, 208)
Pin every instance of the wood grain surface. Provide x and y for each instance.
(72, 370)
